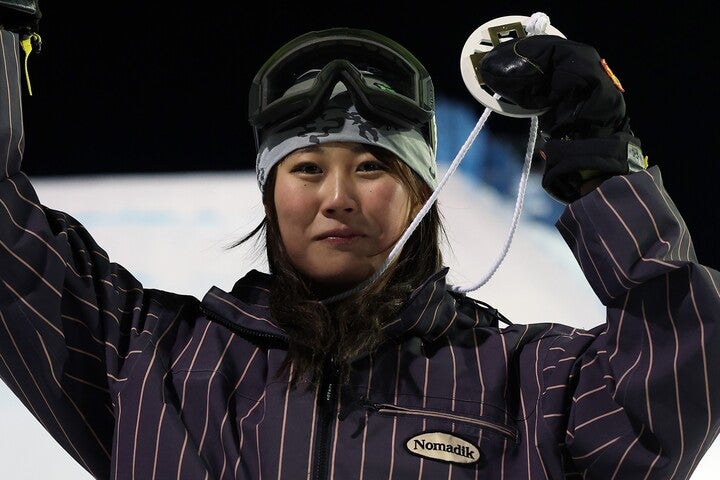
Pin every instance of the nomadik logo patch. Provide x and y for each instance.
(443, 446)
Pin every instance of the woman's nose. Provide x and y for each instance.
(339, 195)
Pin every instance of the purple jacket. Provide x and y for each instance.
(138, 384)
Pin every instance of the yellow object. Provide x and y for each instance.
(27, 46)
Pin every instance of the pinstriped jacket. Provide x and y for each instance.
(138, 383)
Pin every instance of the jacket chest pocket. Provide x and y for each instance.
(460, 422)
(431, 442)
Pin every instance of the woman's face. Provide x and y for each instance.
(339, 211)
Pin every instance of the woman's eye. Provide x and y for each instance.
(307, 168)
(372, 167)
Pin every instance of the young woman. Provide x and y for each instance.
(342, 361)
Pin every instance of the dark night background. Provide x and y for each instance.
(139, 86)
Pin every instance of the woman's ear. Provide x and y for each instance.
(268, 201)
(420, 199)
(414, 210)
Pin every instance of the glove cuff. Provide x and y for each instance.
(570, 163)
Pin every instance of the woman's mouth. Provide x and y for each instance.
(339, 237)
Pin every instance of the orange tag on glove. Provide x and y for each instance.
(612, 76)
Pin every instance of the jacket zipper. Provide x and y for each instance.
(385, 408)
(327, 398)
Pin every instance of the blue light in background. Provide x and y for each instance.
(492, 161)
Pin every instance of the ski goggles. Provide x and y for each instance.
(387, 83)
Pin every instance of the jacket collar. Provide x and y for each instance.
(428, 313)
(246, 307)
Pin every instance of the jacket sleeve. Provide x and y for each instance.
(645, 390)
(68, 316)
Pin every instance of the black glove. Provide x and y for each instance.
(20, 16)
(586, 133)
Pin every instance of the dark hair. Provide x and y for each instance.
(353, 326)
